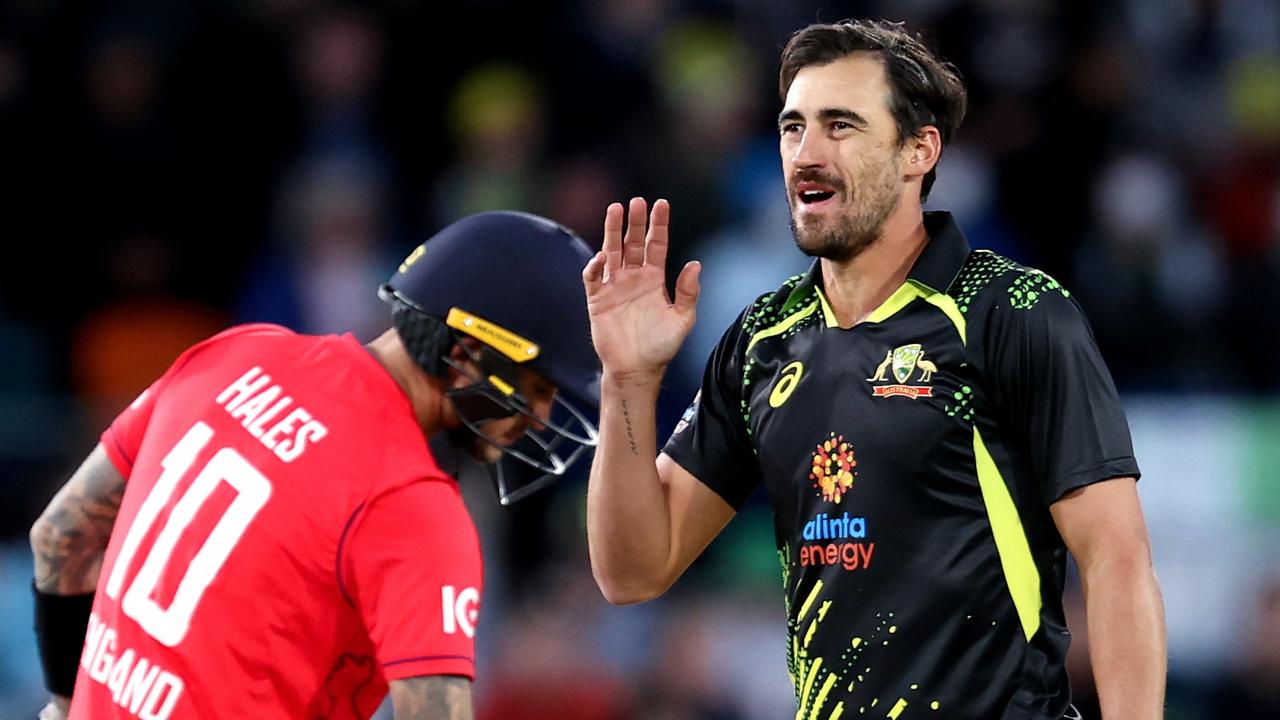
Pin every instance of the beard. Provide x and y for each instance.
(846, 236)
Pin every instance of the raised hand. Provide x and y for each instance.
(635, 326)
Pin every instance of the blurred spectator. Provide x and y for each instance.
(1252, 690)
(549, 668)
(330, 248)
(496, 116)
(129, 341)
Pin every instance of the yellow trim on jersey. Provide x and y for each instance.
(808, 603)
(782, 326)
(1020, 572)
(948, 306)
(497, 337)
(827, 313)
(821, 700)
(909, 291)
(900, 298)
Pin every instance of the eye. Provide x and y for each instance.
(790, 128)
(841, 125)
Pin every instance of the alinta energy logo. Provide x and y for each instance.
(830, 539)
(903, 362)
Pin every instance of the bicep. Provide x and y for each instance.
(1101, 523)
(697, 513)
(71, 535)
(432, 697)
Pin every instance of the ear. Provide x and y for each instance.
(922, 152)
(461, 354)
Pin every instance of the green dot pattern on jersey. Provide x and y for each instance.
(1028, 288)
(964, 404)
(767, 311)
(984, 266)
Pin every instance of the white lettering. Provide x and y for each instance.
(167, 689)
(101, 666)
(120, 673)
(460, 609)
(259, 426)
(447, 596)
(249, 411)
(254, 402)
(92, 638)
(138, 685)
(140, 682)
(275, 436)
(313, 431)
(240, 390)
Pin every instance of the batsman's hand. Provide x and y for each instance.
(635, 326)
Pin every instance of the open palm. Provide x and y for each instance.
(635, 325)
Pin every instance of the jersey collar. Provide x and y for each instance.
(946, 251)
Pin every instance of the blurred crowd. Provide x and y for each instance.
(167, 169)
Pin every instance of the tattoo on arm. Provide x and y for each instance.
(432, 697)
(626, 417)
(71, 536)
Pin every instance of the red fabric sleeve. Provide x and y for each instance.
(122, 439)
(415, 575)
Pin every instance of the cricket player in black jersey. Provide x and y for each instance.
(933, 424)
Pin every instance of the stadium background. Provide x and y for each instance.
(169, 168)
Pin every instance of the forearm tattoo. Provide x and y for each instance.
(626, 417)
(71, 536)
(434, 697)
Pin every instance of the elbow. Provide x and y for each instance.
(43, 535)
(620, 595)
(627, 589)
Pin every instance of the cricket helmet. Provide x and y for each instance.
(512, 281)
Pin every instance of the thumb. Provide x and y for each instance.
(687, 287)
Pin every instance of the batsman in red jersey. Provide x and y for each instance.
(264, 532)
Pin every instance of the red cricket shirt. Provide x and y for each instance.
(286, 544)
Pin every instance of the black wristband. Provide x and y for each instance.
(61, 624)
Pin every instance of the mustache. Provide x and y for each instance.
(810, 175)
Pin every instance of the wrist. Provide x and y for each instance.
(631, 381)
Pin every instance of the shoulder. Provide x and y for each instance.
(990, 283)
(428, 505)
(779, 308)
(237, 336)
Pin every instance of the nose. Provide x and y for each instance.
(542, 410)
(809, 151)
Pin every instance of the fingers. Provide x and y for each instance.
(593, 273)
(687, 287)
(633, 242)
(655, 242)
(612, 245)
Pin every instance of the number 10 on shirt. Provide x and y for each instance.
(169, 626)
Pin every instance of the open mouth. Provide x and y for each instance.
(811, 193)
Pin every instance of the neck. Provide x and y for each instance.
(426, 393)
(856, 287)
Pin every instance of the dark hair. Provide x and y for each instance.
(924, 89)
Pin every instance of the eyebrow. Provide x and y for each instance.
(845, 114)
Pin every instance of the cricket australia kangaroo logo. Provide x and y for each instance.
(902, 363)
